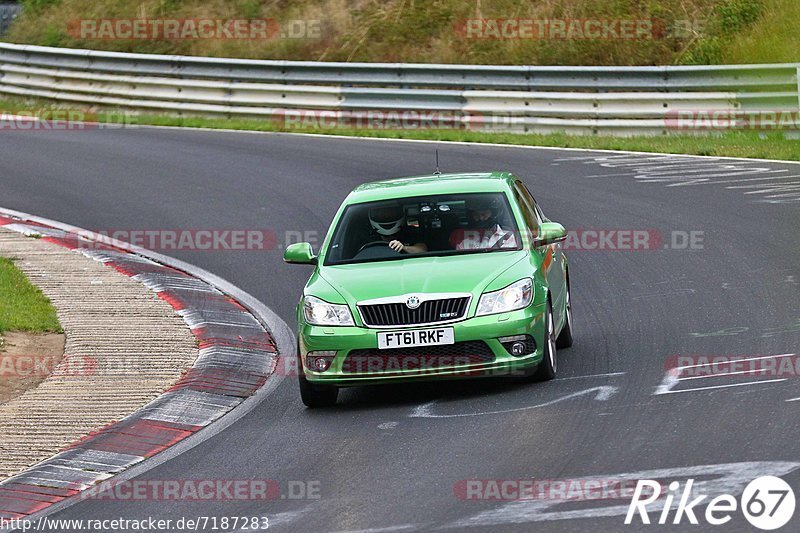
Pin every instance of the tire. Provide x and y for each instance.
(548, 368)
(315, 395)
(564, 339)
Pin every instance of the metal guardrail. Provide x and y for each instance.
(588, 100)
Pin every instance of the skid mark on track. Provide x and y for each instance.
(601, 394)
(660, 295)
(725, 332)
(791, 327)
(275, 520)
(605, 375)
(387, 529)
(771, 185)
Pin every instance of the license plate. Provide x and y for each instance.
(419, 337)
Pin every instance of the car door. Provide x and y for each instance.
(551, 256)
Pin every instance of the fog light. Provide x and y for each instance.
(320, 361)
(518, 345)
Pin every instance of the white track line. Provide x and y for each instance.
(725, 386)
(737, 361)
(610, 374)
(721, 375)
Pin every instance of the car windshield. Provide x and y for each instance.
(423, 226)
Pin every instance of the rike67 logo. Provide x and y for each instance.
(767, 502)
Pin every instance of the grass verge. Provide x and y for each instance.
(748, 144)
(23, 307)
(681, 31)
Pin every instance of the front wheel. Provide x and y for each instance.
(317, 395)
(564, 339)
(548, 368)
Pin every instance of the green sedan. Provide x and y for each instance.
(432, 277)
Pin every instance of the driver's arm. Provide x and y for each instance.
(417, 248)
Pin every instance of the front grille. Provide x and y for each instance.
(429, 312)
(373, 360)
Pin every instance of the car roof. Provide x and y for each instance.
(431, 184)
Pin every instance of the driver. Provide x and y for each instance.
(484, 230)
(389, 223)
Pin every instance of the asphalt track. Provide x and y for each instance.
(392, 458)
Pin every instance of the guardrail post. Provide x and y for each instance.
(8, 12)
(798, 87)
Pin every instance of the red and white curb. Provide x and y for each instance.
(237, 354)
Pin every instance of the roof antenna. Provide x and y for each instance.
(437, 172)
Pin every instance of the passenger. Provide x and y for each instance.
(484, 230)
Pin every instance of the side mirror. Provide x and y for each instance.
(552, 232)
(300, 253)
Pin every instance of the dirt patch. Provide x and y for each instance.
(26, 359)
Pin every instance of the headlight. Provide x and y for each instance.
(321, 313)
(518, 295)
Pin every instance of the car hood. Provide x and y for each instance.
(464, 273)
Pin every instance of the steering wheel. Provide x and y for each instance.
(372, 245)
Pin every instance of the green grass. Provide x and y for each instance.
(694, 31)
(731, 144)
(23, 307)
(774, 39)
(772, 145)
(750, 144)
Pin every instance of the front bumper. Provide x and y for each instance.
(342, 340)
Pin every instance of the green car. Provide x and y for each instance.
(432, 277)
